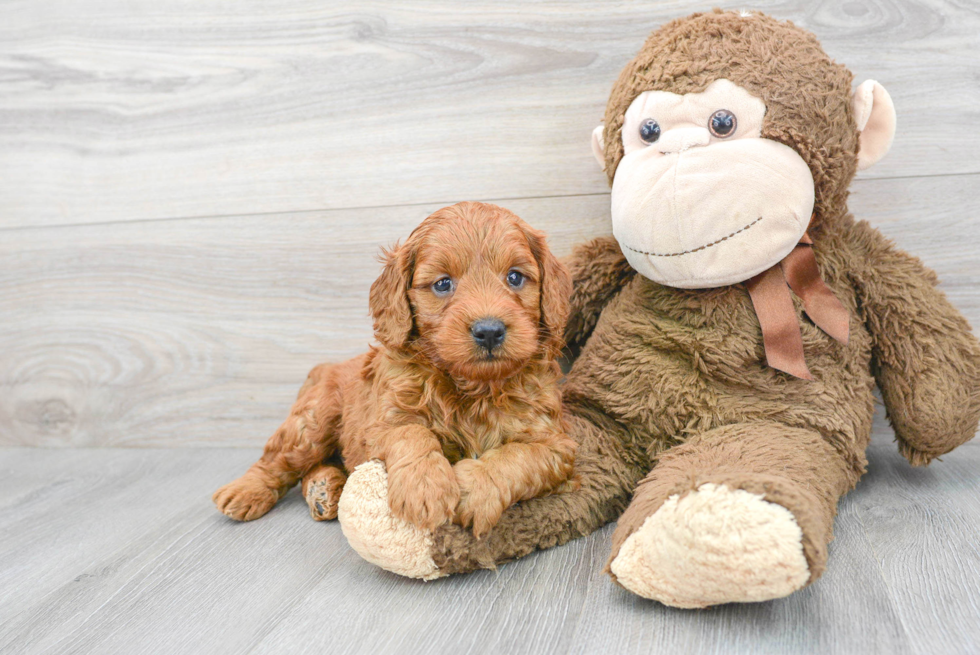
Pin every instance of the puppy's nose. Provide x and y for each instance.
(488, 332)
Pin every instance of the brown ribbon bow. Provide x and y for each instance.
(774, 306)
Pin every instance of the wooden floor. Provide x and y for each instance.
(112, 550)
(192, 196)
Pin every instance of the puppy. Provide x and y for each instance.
(461, 399)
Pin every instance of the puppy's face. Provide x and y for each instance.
(476, 295)
(484, 294)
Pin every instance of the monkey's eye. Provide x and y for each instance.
(515, 279)
(649, 130)
(443, 286)
(722, 123)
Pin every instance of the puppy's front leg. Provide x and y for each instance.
(515, 471)
(422, 487)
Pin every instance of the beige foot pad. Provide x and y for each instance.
(714, 546)
(375, 533)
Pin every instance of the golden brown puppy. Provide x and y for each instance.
(460, 401)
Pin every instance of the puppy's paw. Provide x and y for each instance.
(322, 490)
(423, 492)
(245, 499)
(480, 505)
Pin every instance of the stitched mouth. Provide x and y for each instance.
(699, 248)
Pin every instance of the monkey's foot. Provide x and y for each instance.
(376, 534)
(714, 546)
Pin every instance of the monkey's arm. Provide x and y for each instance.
(924, 357)
(607, 469)
(598, 270)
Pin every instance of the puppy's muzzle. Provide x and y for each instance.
(488, 333)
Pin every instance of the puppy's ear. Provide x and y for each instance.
(389, 303)
(556, 287)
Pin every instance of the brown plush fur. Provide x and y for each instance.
(671, 389)
(464, 433)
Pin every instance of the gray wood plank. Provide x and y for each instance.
(125, 553)
(196, 331)
(524, 607)
(922, 527)
(63, 513)
(201, 583)
(133, 546)
(159, 109)
(199, 332)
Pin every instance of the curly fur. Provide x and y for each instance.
(464, 432)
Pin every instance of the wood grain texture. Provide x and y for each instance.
(199, 332)
(120, 550)
(149, 109)
(925, 538)
(191, 199)
(196, 331)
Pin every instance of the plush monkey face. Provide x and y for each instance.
(699, 199)
(723, 137)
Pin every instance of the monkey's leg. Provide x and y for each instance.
(304, 440)
(740, 513)
(322, 488)
(606, 467)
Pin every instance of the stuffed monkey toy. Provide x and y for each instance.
(731, 331)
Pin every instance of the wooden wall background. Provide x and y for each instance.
(192, 194)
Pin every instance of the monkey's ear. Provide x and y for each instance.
(389, 304)
(599, 146)
(875, 116)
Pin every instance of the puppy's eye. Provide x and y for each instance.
(443, 286)
(722, 123)
(515, 279)
(649, 130)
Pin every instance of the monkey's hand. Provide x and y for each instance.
(924, 357)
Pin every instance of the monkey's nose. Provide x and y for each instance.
(679, 139)
(488, 333)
